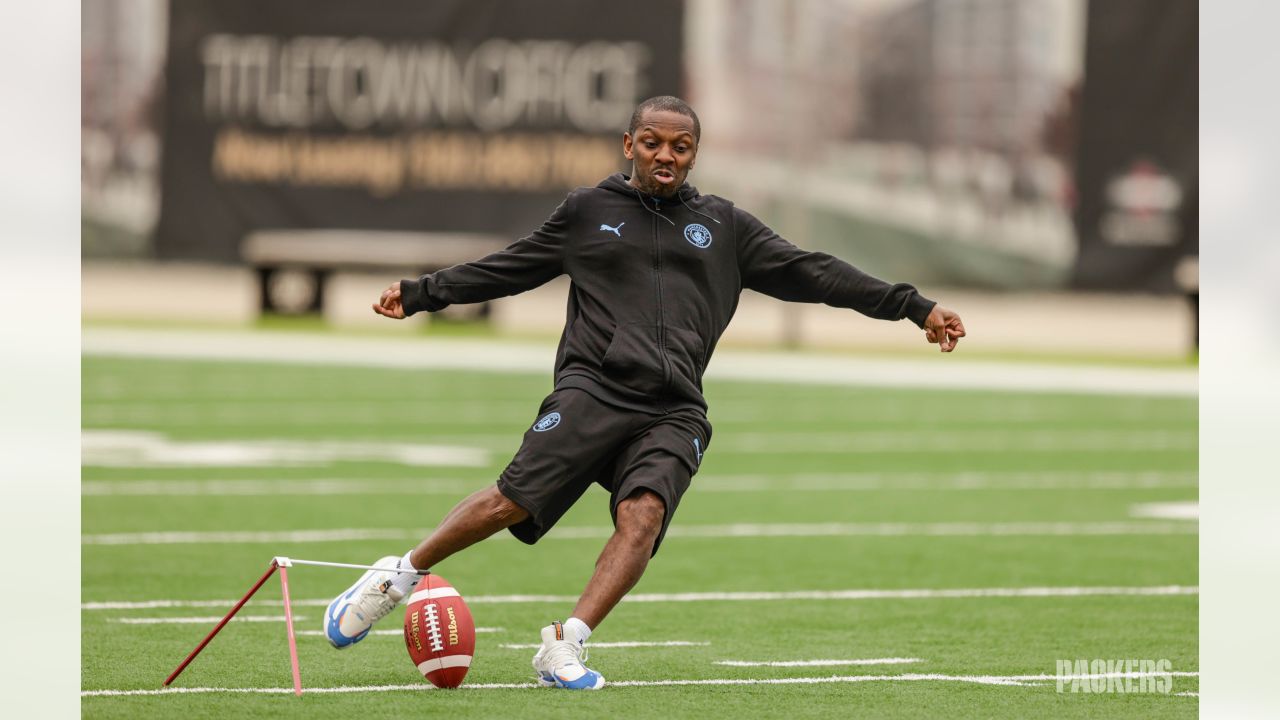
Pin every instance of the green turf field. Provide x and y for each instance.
(975, 538)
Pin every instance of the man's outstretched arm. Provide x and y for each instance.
(525, 264)
(775, 267)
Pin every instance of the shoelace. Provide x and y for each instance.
(564, 652)
(374, 603)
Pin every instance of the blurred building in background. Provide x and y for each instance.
(897, 130)
(986, 144)
(967, 73)
(1138, 152)
(121, 78)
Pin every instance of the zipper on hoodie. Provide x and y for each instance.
(662, 329)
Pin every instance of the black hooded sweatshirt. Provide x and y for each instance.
(655, 282)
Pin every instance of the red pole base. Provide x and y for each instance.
(178, 670)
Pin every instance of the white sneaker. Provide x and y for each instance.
(559, 661)
(372, 598)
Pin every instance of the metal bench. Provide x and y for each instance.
(293, 266)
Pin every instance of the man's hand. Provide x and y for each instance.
(944, 328)
(389, 304)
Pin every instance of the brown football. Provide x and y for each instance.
(439, 632)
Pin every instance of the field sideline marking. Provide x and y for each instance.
(903, 594)
(533, 358)
(1016, 680)
(623, 644)
(734, 530)
(817, 663)
(812, 482)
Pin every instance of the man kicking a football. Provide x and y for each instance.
(656, 270)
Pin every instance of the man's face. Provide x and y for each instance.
(661, 153)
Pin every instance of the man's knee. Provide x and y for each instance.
(640, 515)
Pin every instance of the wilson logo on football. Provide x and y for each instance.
(547, 422)
(415, 635)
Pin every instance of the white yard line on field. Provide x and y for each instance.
(956, 480)
(801, 482)
(748, 530)
(253, 488)
(1014, 680)
(203, 620)
(741, 412)
(292, 536)
(1184, 510)
(688, 532)
(953, 440)
(144, 449)
(233, 410)
(863, 594)
(132, 448)
(784, 441)
(817, 663)
(622, 644)
(736, 530)
(530, 358)
(276, 406)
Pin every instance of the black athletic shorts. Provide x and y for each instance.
(577, 440)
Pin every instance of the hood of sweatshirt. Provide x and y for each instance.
(621, 183)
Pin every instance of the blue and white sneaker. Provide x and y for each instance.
(353, 613)
(559, 661)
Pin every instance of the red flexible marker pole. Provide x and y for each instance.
(288, 623)
(178, 671)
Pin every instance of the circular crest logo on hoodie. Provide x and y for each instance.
(547, 422)
(698, 235)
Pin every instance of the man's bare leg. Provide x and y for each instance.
(480, 515)
(624, 557)
(618, 569)
(350, 616)
(559, 660)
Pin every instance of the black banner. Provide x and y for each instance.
(1138, 166)
(443, 116)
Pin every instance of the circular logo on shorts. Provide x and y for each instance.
(547, 422)
(697, 234)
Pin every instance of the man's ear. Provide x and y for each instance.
(626, 146)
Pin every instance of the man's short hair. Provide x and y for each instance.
(665, 103)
